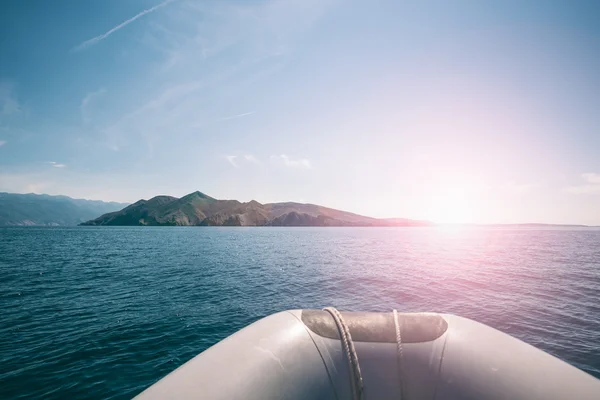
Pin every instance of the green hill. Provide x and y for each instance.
(198, 209)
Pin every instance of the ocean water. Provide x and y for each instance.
(98, 312)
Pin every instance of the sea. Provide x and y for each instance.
(104, 312)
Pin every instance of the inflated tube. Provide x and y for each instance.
(298, 355)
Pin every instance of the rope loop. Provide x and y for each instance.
(356, 380)
(399, 354)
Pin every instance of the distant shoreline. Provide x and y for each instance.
(440, 226)
(199, 209)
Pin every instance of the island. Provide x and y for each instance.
(199, 209)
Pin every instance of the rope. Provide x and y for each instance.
(399, 354)
(356, 381)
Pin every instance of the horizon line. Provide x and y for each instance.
(431, 222)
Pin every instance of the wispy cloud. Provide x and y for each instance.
(195, 33)
(56, 165)
(290, 162)
(266, 27)
(8, 102)
(149, 121)
(591, 177)
(86, 102)
(2, 143)
(238, 160)
(175, 105)
(584, 189)
(231, 160)
(235, 116)
(90, 42)
(250, 158)
(591, 185)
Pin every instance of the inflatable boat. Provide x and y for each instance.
(325, 354)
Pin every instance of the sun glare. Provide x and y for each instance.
(452, 208)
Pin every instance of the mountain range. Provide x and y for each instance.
(198, 209)
(44, 210)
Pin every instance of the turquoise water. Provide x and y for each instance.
(104, 312)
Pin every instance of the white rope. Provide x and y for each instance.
(399, 354)
(356, 381)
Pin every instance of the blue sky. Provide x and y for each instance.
(455, 111)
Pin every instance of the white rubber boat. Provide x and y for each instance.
(299, 355)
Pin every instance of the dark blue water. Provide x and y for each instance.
(105, 312)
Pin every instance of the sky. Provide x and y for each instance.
(451, 111)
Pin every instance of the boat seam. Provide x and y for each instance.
(320, 355)
(440, 366)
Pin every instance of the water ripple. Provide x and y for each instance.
(105, 312)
